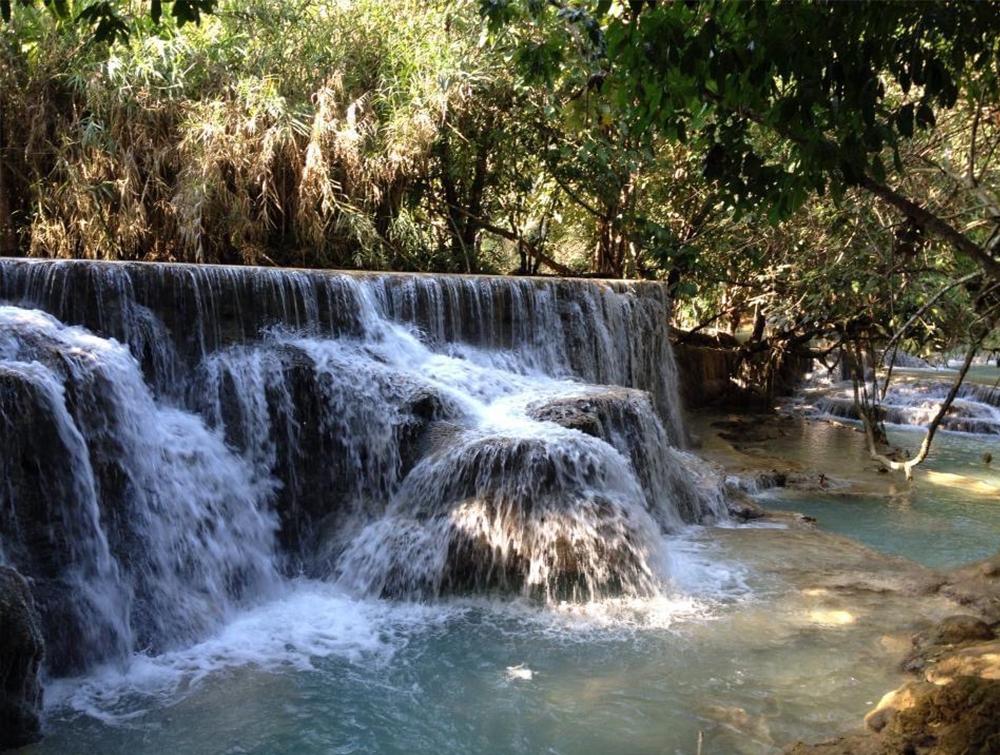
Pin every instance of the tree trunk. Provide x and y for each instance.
(865, 403)
(8, 236)
(464, 203)
(962, 243)
(925, 446)
(474, 202)
(603, 254)
(759, 323)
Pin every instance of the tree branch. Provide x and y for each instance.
(935, 225)
(906, 467)
(516, 238)
(927, 305)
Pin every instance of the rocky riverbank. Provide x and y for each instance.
(949, 702)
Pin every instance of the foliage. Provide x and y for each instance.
(272, 129)
(795, 110)
(723, 147)
(107, 21)
(838, 82)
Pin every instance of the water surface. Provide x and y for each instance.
(749, 647)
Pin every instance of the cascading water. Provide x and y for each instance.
(139, 524)
(179, 442)
(915, 401)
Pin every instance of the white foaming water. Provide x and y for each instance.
(314, 621)
(311, 620)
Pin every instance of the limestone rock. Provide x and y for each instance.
(743, 508)
(21, 651)
(939, 642)
(961, 718)
(954, 709)
(977, 586)
(903, 698)
(625, 419)
(954, 630)
(982, 660)
(589, 414)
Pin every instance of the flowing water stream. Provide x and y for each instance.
(289, 512)
(950, 514)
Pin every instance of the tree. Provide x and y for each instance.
(789, 105)
(828, 89)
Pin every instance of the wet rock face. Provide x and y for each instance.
(624, 419)
(333, 437)
(21, 651)
(961, 718)
(583, 413)
(517, 506)
(42, 509)
(955, 630)
(552, 518)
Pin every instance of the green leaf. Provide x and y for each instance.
(108, 25)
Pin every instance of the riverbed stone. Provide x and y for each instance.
(902, 698)
(743, 507)
(21, 653)
(955, 630)
(960, 718)
(750, 429)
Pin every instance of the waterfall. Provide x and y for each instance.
(177, 441)
(151, 526)
(976, 408)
